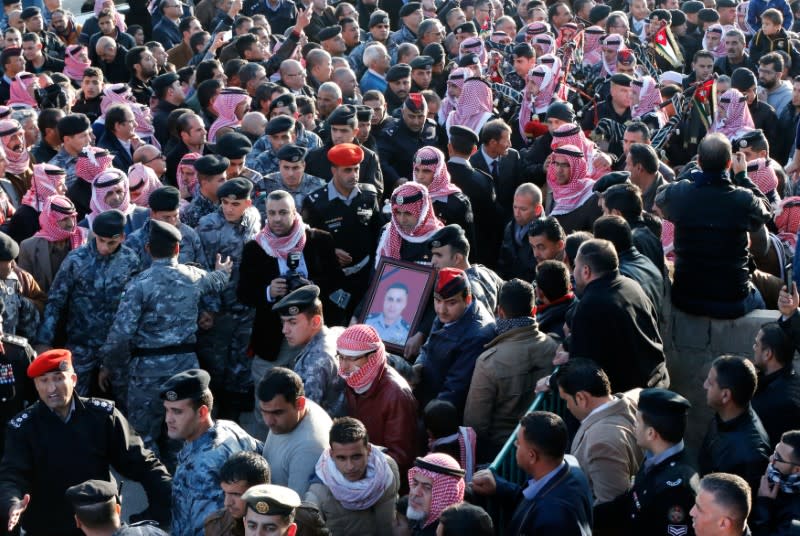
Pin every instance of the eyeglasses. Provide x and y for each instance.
(159, 156)
(777, 458)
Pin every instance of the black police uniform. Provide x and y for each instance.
(478, 187)
(369, 171)
(16, 389)
(397, 145)
(457, 209)
(605, 110)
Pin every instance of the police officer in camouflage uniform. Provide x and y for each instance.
(75, 132)
(411, 10)
(226, 322)
(235, 147)
(156, 324)
(291, 177)
(196, 491)
(20, 314)
(87, 290)
(665, 487)
(164, 204)
(279, 131)
(211, 173)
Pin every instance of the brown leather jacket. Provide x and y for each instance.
(222, 523)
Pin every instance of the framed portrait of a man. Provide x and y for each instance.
(396, 299)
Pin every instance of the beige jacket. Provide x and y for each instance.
(606, 449)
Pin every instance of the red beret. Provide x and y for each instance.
(50, 361)
(534, 129)
(450, 282)
(345, 154)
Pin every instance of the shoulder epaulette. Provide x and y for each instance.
(100, 403)
(21, 418)
(15, 339)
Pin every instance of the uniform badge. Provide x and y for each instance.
(677, 530)
(674, 483)
(172, 396)
(436, 244)
(676, 514)
(262, 507)
(400, 199)
(293, 310)
(63, 366)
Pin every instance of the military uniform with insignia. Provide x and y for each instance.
(16, 389)
(264, 158)
(396, 333)
(293, 154)
(397, 144)
(272, 504)
(200, 206)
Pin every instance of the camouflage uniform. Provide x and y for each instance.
(223, 348)
(67, 162)
(199, 207)
(274, 181)
(20, 315)
(196, 491)
(87, 288)
(191, 249)
(262, 158)
(156, 323)
(318, 367)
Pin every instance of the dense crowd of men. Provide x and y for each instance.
(206, 210)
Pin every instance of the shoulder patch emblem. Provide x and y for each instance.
(676, 514)
(677, 530)
(674, 483)
(19, 420)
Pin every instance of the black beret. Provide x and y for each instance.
(398, 71)
(291, 153)
(73, 124)
(91, 492)
(678, 17)
(164, 199)
(297, 301)
(465, 133)
(622, 79)
(343, 115)
(743, 79)
(692, 6)
(661, 14)
(750, 138)
(10, 52)
(270, 499)
(286, 99)
(466, 27)
(598, 13)
(663, 403)
(30, 12)
(378, 17)
(421, 62)
(561, 110)
(233, 145)
(708, 15)
(611, 179)
(109, 224)
(163, 81)
(9, 249)
(279, 124)
(410, 8)
(238, 188)
(191, 383)
(524, 50)
(449, 235)
(211, 165)
(329, 32)
(364, 113)
(725, 3)
(435, 51)
(469, 59)
(163, 234)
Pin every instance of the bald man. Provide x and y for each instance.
(293, 76)
(151, 157)
(111, 60)
(253, 125)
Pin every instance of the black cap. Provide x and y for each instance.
(678, 17)
(725, 3)
(622, 79)
(750, 138)
(291, 153)
(398, 71)
(364, 113)
(598, 13)
(435, 51)
(524, 50)
(469, 59)
(281, 123)
(466, 27)
(410, 8)
(449, 235)
(73, 124)
(233, 145)
(164, 199)
(662, 14)
(297, 301)
(692, 6)
(9, 249)
(109, 224)
(378, 17)
(708, 15)
(163, 234)
(188, 384)
(663, 403)
(561, 110)
(329, 32)
(238, 188)
(465, 133)
(421, 62)
(211, 164)
(29, 12)
(286, 99)
(611, 179)
(343, 115)
(743, 79)
(270, 499)
(91, 492)
(163, 81)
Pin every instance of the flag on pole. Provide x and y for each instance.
(665, 46)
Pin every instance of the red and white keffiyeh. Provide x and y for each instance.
(104, 183)
(143, 182)
(719, 50)
(741, 18)
(733, 115)
(475, 105)
(553, 63)
(55, 209)
(144, 124)
(91, 162)
(433, 159)
(281, 246)
(357, 340)
(545, 43)
(17, 162)
(762, 175)
(76, 60)
(573, 194)
(649, 96)
(447, 489)
(787, 219)
(542, 77)
(412, 197)
(119, 20)
(20, 92)
(225, 108)
(535, 28)
(361, 494)
(47, 180)
(187, 185)
(457, 78)
(572, 134)
(115, 94)
(592, 52)
(612, 42)
(566, 33)
(467, 447)
(473, 45)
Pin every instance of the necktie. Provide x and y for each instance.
(494, 168)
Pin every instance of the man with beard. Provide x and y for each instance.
(770, 72)
(90, 94)
(735, 54)
(398, 77)
(142, 65)
(777, 506)
(435, 482)
(64, 27)
(18, 163)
